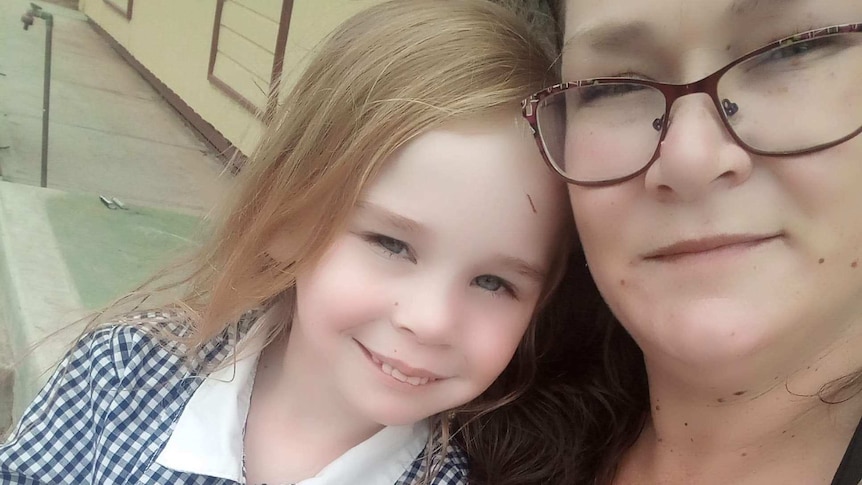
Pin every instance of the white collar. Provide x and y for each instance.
(208, 437)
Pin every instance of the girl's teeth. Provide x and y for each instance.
(397, 374)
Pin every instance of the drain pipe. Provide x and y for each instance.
(28, 19)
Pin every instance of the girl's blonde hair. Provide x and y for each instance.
(385, 76)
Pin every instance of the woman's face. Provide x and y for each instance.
(714, 253)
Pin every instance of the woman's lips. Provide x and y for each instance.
(708, 245)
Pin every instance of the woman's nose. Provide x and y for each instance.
(698, 154)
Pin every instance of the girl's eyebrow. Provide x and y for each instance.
(522, 267)
(396, 220)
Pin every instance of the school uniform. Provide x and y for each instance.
(124, 408)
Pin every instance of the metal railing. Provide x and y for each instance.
(28, 18)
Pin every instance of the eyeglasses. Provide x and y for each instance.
(798, 95)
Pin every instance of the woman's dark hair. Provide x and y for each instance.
(544, 18)
(589, 396)
(587, 403)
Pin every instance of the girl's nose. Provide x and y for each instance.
(698, 154)
(430, 312)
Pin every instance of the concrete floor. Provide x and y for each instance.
(110, 134)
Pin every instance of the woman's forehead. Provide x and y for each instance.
(607, 21)
(665, 31)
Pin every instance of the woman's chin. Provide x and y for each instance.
(707, 333)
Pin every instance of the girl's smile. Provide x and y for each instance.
(399, 370)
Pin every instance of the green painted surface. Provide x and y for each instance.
(110, 252)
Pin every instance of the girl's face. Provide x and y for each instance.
(420, 304)
(714, 254)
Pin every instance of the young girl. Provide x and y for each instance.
(377, 275)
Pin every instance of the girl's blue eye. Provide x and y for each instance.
(389, 245)
(493, 284)
(392, 245)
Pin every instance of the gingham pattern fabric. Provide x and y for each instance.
(110, 407)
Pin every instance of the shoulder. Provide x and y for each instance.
(130, 352)
(450, 468)
(135, 348)
(110, 404)
(454, 467)
(101, 402)
(143, 347)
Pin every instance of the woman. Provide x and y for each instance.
(714, 172)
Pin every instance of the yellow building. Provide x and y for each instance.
(217, 61)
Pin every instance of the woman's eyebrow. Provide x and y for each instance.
(613, 37)
(746, 7)
(622, 36)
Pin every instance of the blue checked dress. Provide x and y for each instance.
(110, 407)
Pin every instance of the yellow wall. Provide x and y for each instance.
(246, 47)
(172, 39)
(312, 21)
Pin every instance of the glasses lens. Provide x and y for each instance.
(602, 131)
(797, 96)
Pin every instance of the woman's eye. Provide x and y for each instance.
(789, 51)
(494, 284)
(589, 94)
(799, 48)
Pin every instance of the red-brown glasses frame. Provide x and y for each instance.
(708, 85)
